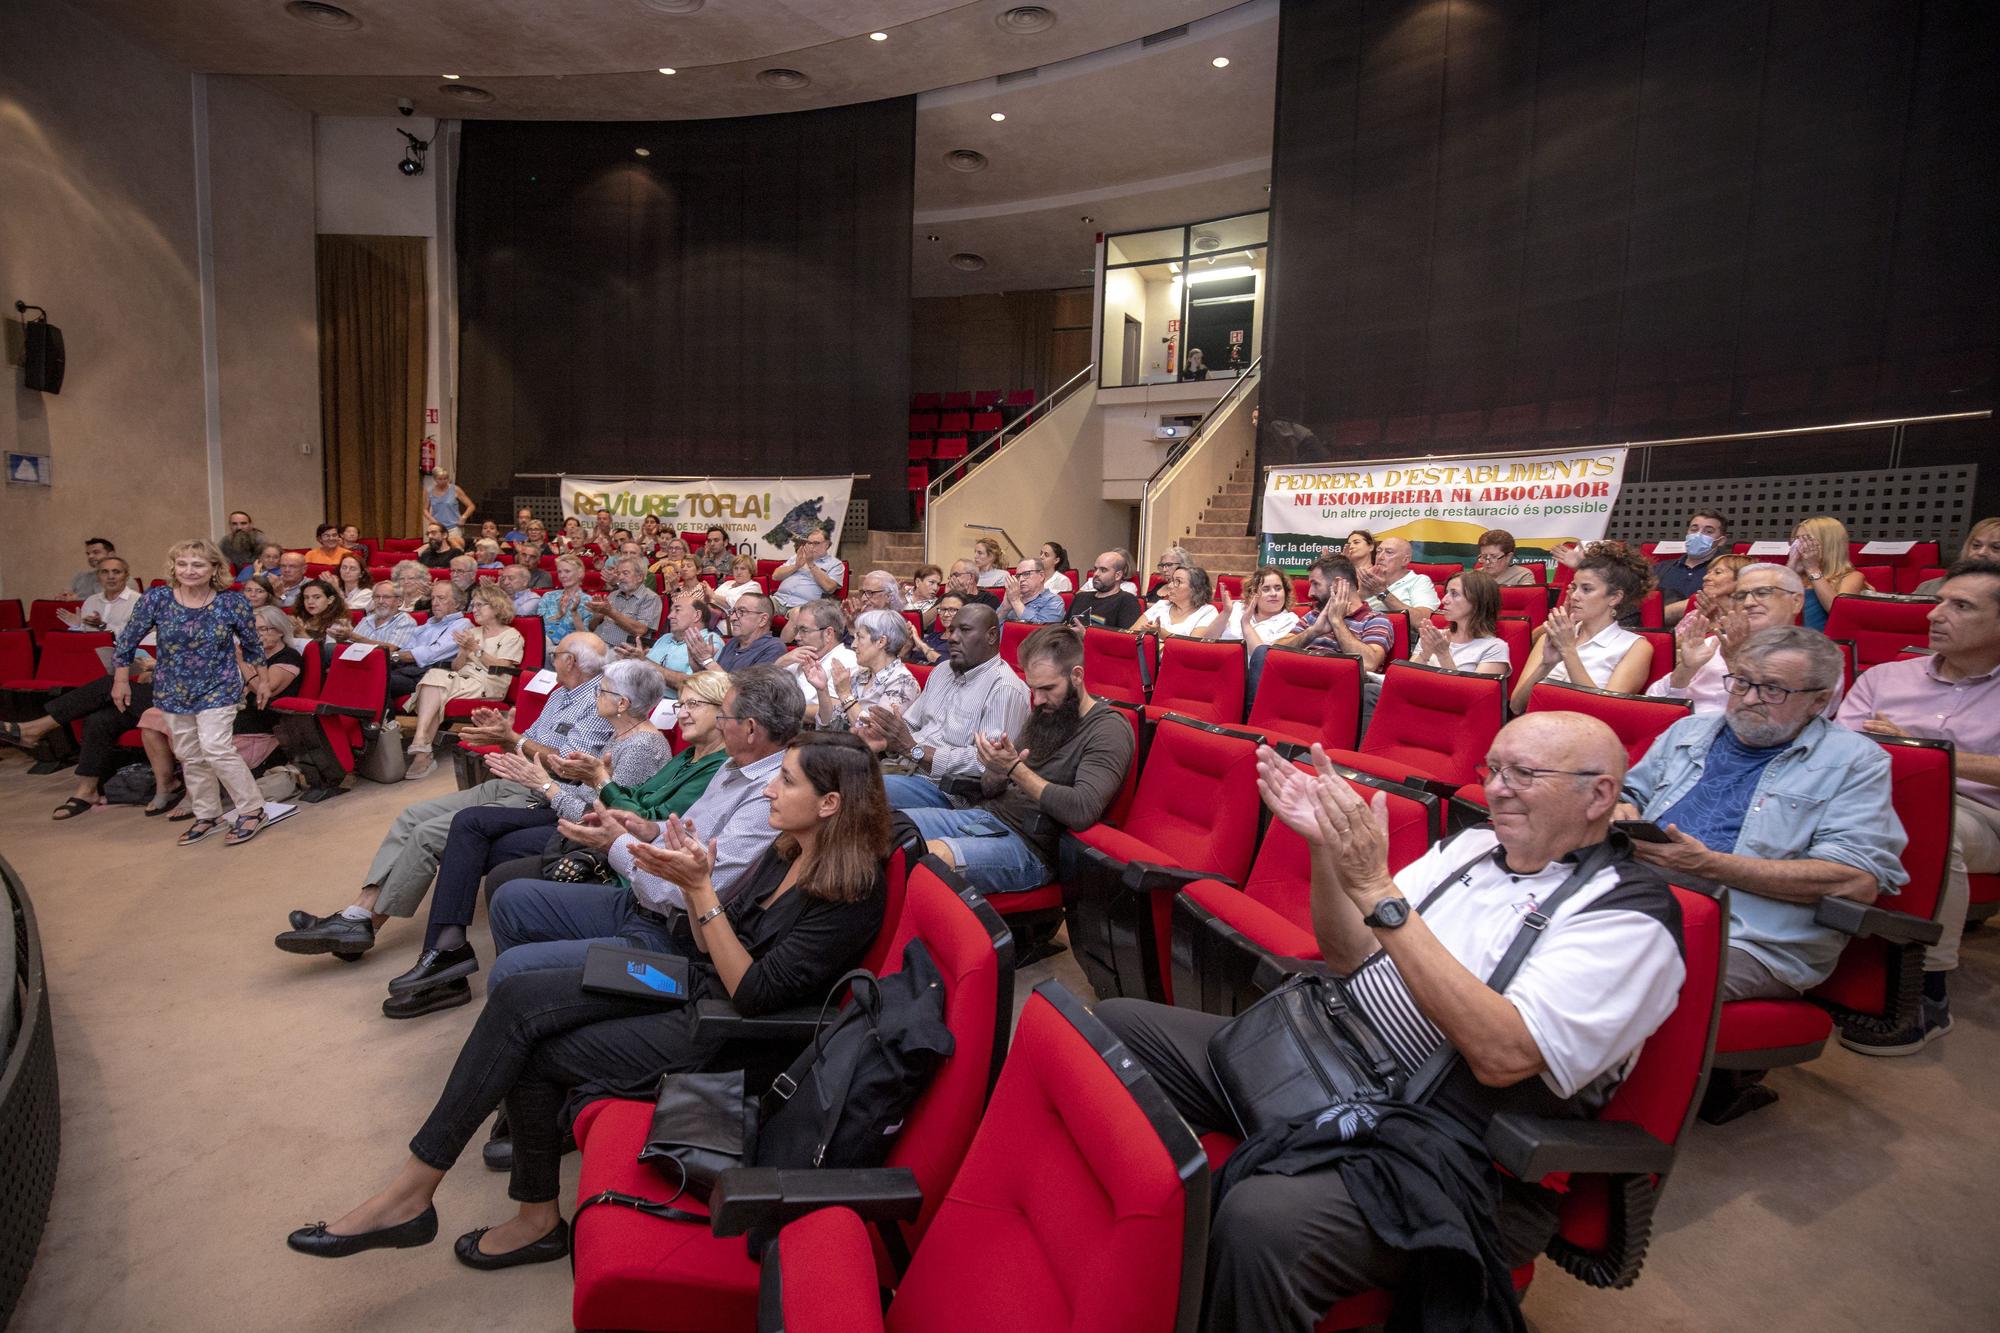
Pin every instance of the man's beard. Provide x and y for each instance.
(1760, 733)
(1049, 727)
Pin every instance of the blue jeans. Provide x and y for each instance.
(540, 923)
(991, 857)
(1253, 671)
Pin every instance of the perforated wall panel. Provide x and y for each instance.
(1895, 504)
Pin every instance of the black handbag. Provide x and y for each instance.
(703, 1125)
(1307, 1044)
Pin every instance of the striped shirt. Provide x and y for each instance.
(986, 700)
(396, 631)
(569, 721)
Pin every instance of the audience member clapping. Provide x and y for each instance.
(1471, 609)
(974, 694)
(269, 562)
(1183, 608)
(430, 644)
(687, 632)
(1341, 623)
(355, 589)
(1755, 596)
(1391, 586)
(934, 645)
(489, 653)
(1263, 617)
(740, 577)
(812, 573)
(1027, 597)
(878, 678)
(111, 605)
(565, 606)
(1582, 642)
(628, 611)
(818, 634)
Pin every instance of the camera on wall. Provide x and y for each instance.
(406, 107)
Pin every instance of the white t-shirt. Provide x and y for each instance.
(993, 578)
(729, 592)
(843, 655)
(1282, 625)
(1475, 653)
(1058, 583)
(1601, 654)
(359, 599)
(1412, 588)
(1606, 972)
(1157, 613)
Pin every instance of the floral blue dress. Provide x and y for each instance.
(554, 623)
(197, 668)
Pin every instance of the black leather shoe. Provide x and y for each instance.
(418, 1003)
(422, 1229)
(498, 1154)
(333, 934)
(553, 1246)
(436, 966)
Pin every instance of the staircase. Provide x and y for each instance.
(901, 553)
(1217, 542)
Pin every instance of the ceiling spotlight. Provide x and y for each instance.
(878, 36)
(413, 154)
(668, 69)
(933, 237)
(999, 115)
(642, 152)
(1086, 218)
(448, 76)
(1220, 62)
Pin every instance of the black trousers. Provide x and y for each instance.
(1282, 1249)
(103, 723)
(403, 679)
(481, 837)
(540, 1035)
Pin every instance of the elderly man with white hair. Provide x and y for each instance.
(400, 875)
(1765, 596)
(1390, 585)
(628, 610)
(517, 582)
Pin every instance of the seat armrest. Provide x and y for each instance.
(1531, 1147)
(719, 1018)
(749, 1196)
(1865, 922)
(1151, 877)
(1274, 970)
(347, 710)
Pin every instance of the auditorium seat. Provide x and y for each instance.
(469, 761)
(1519, 636)
(1220, 931)
(1105, 1232)
(534, 650)
(986, 398)
(11, 616)
(43, 620)
(349, 705)
(1637, 718)
(1117, 665)
(1430, 725)
(1530, 601)
(1012, 633)
(985, 423)
(1200, 680)
(1877, 986)
(925, 402)
(954, 423)
(1907, 580)
(1229, 583)
(1439, 574)
(67, 660)
(1665, 650)
(1307, 698)
(958, 400)
(638, 1272)
(1194, 815)
(1879, 627)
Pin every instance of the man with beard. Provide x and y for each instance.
(1342, 622)
(1102, 601)
(1062, 773)
(977, 694)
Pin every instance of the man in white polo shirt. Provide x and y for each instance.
(1390, 585)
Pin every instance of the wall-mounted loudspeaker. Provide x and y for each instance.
(42, 367)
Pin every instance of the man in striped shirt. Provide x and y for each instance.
(1344, 624)
(406, 862)
(1416, 947)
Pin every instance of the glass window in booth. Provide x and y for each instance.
(1225, 307)
(1142, 324)
(1140, 247)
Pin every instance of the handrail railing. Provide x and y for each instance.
(1179, 458)
(1042, 407)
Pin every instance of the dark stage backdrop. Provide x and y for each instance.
(1502, 224)
(735, 303)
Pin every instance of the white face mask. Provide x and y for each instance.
(1699, 544)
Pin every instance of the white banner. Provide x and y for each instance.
(1441, 505)
(765, 516)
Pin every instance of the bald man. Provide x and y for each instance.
(1390, 585)
(1417, 946)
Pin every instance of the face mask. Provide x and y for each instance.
(1699, 544)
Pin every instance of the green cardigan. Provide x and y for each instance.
(671, 790)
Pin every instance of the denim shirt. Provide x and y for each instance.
(1825, 798)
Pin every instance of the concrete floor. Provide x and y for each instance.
(218, 1093)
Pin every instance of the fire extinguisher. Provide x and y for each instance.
(427, 454)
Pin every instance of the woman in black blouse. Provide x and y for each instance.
(796, 920)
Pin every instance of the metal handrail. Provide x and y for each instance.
(1041, 408)
(1202, 427)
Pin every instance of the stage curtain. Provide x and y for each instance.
(373, 352)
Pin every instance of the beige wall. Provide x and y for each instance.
(99, 224)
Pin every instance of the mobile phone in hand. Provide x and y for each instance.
(1641, 830)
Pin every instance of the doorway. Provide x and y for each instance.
(1134, 341)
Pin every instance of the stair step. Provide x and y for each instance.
(1204, 528)
(1226, 510)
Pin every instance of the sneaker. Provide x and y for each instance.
(1933, 1021)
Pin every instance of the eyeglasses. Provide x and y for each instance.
(1168, 564)
(1764, 690)
(1519, 777)
(1758, 594)
(743, 611)
(616, 694)
(721, 716)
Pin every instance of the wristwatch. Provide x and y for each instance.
(917, 754)
(1388, 914)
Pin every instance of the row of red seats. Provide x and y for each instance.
(964, 400)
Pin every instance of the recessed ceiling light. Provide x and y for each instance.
(321, 16)
(999, 115)
(465, 92)
(675, 7)
(933, 237)
(668, 69)
(967, 261)
(782, 78)
(450, 76)
(965, 159)
(878, 36)
(1025, 19)
(1220, 62)
(1086, 219)
(642, 152)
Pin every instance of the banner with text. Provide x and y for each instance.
(1441, 505)
(764, 516)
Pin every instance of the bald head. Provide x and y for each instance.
(1392, 557)
(1554, 782)
(975, 636)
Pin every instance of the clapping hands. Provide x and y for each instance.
(1325, 810)
(681, 857)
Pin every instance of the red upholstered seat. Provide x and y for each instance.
(17, 654)
(11, 616)
(639, 1272)
(1879, 627)
(1529, 600)
(1200, 680)
(1195, 814)
(1773, 1027)
(534, 652)
(1219, 930)
(1112, 664)
(1307, 698)
(1430, 724)
(1440, 574)
(349, 701)
(1082, 1207)
(1636, 718)
(1011, 634)
(69, 658)
(42, 617)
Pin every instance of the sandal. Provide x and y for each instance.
(243, 830)
(198, 830)
(73, 807)
(161, 804)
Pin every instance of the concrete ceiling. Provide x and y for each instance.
(1111, 114)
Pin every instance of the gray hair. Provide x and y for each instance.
(895, 586)
(1788, 578)
(407, 568)
(826, 614)
(590, 651)
(639, 681)
(1179, 555)
(1041, 565)
(274, 617)
(888, 626)
(446, 588)
(463, 556)
(768, 696)
(1825, 666)
(629, 560)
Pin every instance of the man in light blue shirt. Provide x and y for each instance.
(1802, 806)
(1027, 598)
(432, 642)
(811, 574)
